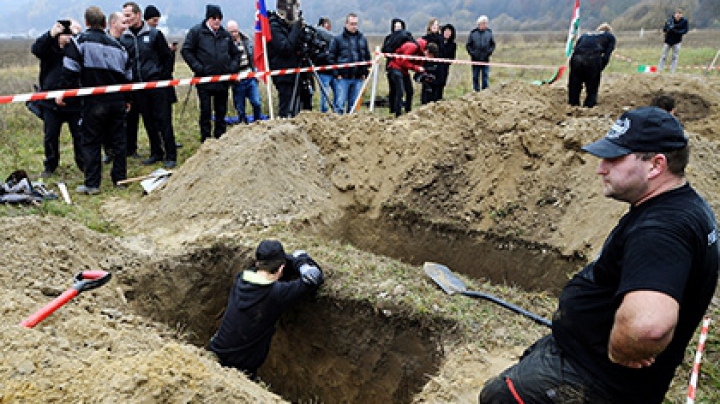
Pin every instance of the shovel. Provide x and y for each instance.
(451, 284)
(83, 281)
(155, 175)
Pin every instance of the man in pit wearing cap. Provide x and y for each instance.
(624, 321)
(258, 298)
(209, 50)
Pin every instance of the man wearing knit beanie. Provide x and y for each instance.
(152, 13)
(209, 50)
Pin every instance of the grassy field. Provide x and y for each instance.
(21, 132)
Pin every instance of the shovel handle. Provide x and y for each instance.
(510, 306)
(85, 280)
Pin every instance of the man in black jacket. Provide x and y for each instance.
(480, 46)
(349, 47)
(97, 59)
(591, 54)
(50, 49)
(257, 300)
(210, 51)
(675, 27)
(151, 58)
(284, 52)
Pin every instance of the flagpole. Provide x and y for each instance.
(268, 79)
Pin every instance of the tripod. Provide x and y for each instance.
(296, 99)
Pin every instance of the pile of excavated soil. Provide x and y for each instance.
(502, 167)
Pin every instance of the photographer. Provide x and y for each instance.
(349, 47)
(284, 52)
(675, 27)
(258, 298)
(50, 49)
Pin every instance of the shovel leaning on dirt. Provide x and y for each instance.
(85, 280)
(451, 284)
(151, 181)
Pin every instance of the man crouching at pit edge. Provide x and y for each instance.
(624, 321)
(258, 298)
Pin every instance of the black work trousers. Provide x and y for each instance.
(154, 107)
(103, 123)
(585, 70)
(403, 86)
(286, 98)
(212, 99)
(52, 124)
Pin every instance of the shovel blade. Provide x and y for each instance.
(442, 275)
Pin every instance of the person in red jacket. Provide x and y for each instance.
(399, 72)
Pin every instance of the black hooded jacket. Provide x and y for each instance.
(254, 306)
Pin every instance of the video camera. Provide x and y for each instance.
(312, 44)
(66, 27)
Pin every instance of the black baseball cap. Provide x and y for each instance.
(645, 129)
(270, 250)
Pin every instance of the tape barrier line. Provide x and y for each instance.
(468, 62)
(686, 67)
(692, 387)
(86, 91)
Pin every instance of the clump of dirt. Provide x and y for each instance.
(494, 184)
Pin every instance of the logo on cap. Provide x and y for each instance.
(619, 128)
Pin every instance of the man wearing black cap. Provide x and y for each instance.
(210, 51)
(623, 322)
(257, 300)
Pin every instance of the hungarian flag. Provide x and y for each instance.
(573, 30)
(262, 36)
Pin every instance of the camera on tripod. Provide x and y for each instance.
(312, 45)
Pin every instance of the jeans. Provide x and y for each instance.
(328, 83)
(247, 89)
(675, 56)
(346, 94)
(476, 69)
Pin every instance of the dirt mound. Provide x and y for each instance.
(93, 349)
(493, 183)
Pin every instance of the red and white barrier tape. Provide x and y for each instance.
(467, 62)
(85, 91)
(689, 67)
(692, 388)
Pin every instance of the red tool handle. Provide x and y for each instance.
(49, 308)
(84, 280)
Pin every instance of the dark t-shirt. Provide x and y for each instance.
(667, 244)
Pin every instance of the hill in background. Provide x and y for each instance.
(32, 17)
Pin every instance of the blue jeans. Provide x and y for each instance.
(328, 83)
(346, 93)
(247, 88)
(476, 69)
